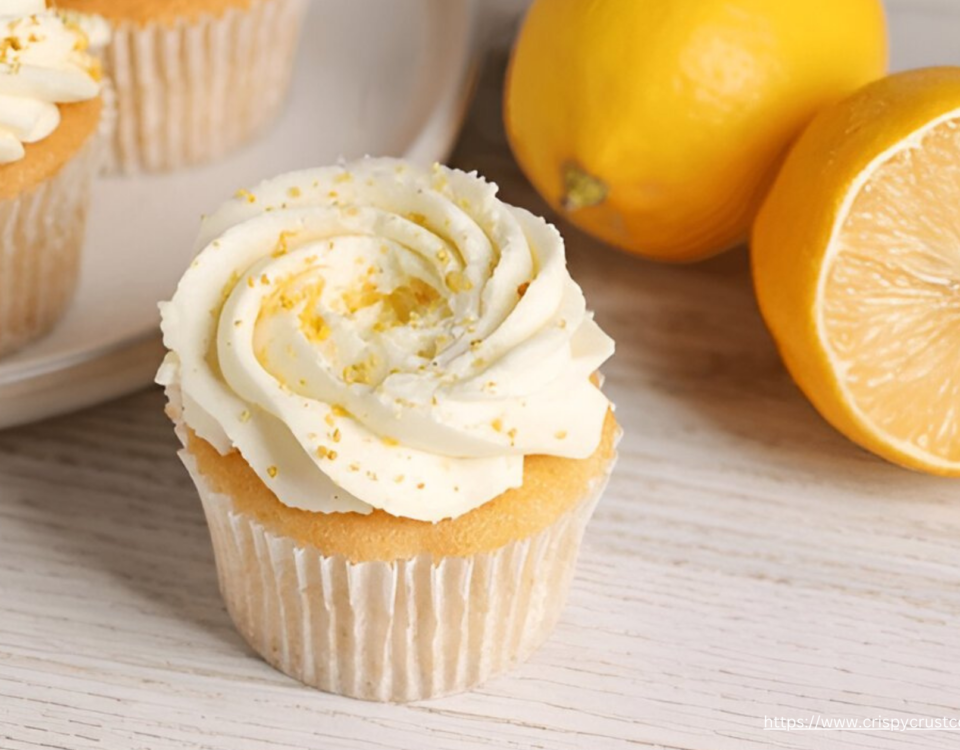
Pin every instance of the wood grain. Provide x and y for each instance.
(746, 561)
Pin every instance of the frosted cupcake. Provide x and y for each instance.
(52, 126)
(384, 381)
(195, 80)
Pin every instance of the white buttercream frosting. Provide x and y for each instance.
(375, 335)
(43, 62)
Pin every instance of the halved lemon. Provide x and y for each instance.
(856, 262)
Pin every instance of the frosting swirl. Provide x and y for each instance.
(43, 62)
(379, 336)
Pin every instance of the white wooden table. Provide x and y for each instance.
(746, 562)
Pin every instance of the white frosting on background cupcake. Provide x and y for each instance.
(379, 336)
(43, 62)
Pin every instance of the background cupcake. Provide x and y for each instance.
(52, 122)
(383, 379)
(195, 80)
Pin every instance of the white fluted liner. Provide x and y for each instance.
(195, 91)
(397, 632)
(41, 237)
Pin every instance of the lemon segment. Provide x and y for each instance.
(890, 297)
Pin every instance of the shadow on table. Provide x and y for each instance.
(105, 491)
(693, 338)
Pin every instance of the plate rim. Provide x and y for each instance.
(434, 141)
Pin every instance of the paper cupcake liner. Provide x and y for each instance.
(193, 92)
(42, 233)
(399, 631)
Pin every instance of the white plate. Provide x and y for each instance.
(374, 77)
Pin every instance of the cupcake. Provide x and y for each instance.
(52, 122)
(385, 383)
(195, 80)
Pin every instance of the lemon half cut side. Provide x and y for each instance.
(856, 257)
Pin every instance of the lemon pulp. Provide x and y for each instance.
(890, 295)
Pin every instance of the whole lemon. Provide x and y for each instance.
(658, 125)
